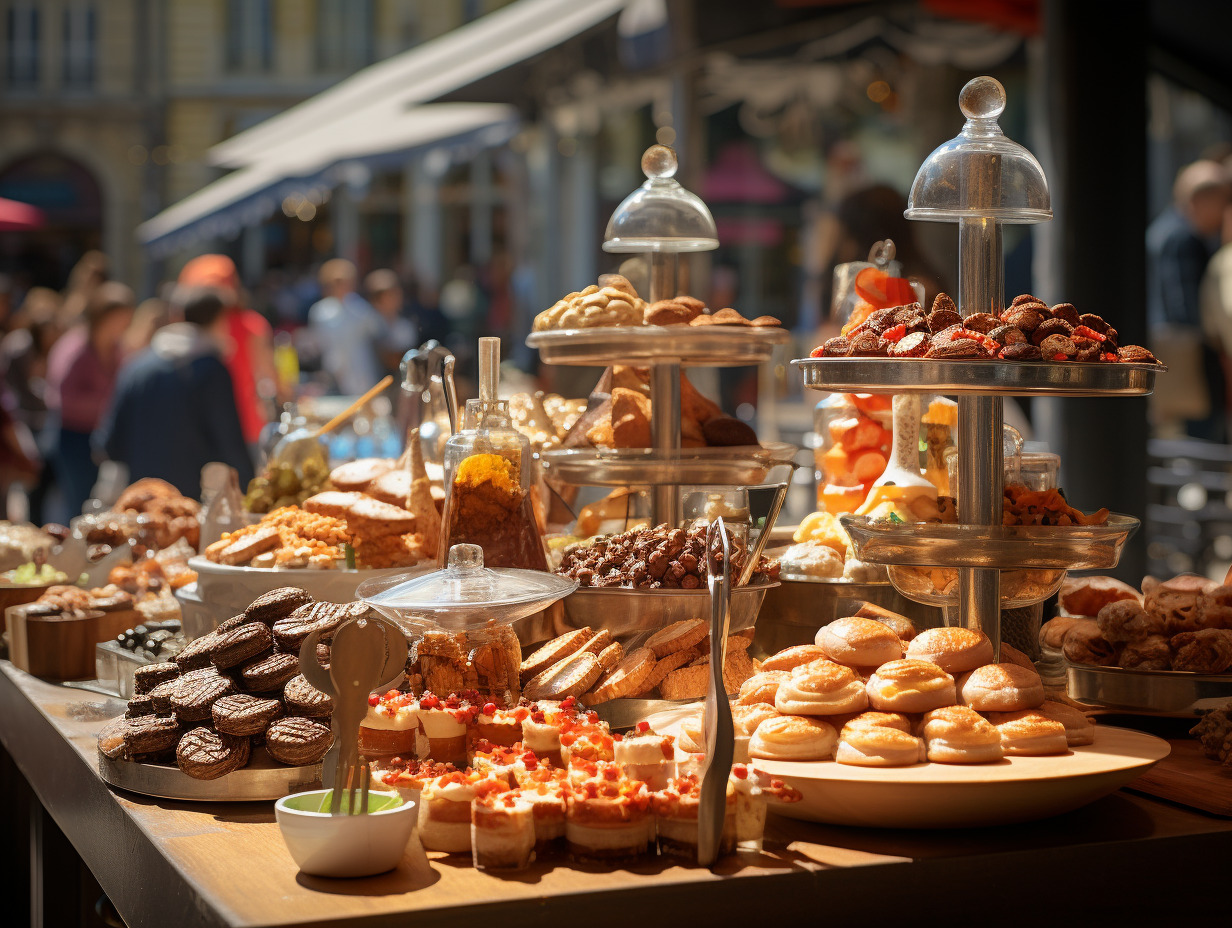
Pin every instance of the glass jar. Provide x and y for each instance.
(488, 482)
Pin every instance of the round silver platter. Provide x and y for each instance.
(1172, 693)
(929, 544)
(688, 345)
(1009, 378)
(726, 466)
(263, 780)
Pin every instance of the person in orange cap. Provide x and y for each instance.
(251, 358)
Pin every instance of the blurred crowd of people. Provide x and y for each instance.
(194, 375)
(1189, 302)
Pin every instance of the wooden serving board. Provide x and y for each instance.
(1190, 778)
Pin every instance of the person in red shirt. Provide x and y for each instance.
(250, 359)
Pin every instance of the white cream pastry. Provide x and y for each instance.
(1001, 688)
(954, 649)
(1029, 733)
(793, 737)
(874, 746)
(910, 686)
(821, 688)
(960, 735)
(445, 813)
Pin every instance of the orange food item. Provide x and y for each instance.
(868, 466)
(487, 507)
(836, 499)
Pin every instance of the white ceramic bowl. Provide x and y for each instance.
(345, 845)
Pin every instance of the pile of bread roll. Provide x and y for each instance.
(872, 693)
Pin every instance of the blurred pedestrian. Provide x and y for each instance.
(249, 353)
(81, 374)
(384, 292)
(23, 358)
(345, 328)
(174, 410)
(1180, 242)
(88, 274)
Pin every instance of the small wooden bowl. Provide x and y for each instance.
(18, 594)
(58, 647)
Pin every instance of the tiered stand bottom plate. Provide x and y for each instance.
(1016, 789)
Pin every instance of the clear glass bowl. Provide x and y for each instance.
(938, 586)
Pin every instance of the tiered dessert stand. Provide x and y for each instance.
(980, 180)
(663, 219)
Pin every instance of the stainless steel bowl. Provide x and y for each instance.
(1172, 693)
(627, 612)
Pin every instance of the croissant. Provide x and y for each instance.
(1150, 653)
(1205, 651)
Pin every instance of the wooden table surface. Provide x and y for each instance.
(166, 863)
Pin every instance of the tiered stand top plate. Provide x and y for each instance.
(687, 345)
(1010, 378)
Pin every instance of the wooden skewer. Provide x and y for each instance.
(354, 407)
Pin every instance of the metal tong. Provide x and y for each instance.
(717, 721)
(420, 388)
(368, 655)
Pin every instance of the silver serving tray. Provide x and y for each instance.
(742, 465)
(688, 345)
(625, 612)
(263, 780)
(1172, 693)
(929, 544)
(1006, 378)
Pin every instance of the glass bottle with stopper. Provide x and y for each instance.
(488, 479)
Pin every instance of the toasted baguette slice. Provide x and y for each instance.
(356, 475)
(555, 650)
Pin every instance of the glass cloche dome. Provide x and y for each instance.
(981, 173)
(661, 215)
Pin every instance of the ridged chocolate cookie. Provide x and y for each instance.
(196, 654)
(252, 639)
(111, 738)
(277, 604)
(298, 741)
(160, 696)
(244, 715)
(205, 754)
(289, 633)
(139, 706)
(150, 734)
(303, 698)
(269, 673)
(231, 624)
(147, 677)
(197, 691)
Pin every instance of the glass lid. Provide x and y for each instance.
(980, 173)
(464, 593)
(661, 215)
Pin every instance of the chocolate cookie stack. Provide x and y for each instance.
(234, 689)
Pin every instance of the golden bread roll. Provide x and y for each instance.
(1079, 727)
(1029, 733)
(1125, 621)
(761, 687)
(790, 658)
(821, 688)
(877, 746)
(859, 642)
(792, 737)
(1001, 688)
(960, 735)
(1052, 633)
(898, 624)
(953, 649)
(1085, 644)
(875, 719)
(910, 686)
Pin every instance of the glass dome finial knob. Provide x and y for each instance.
(659, 161)
(982, 98)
